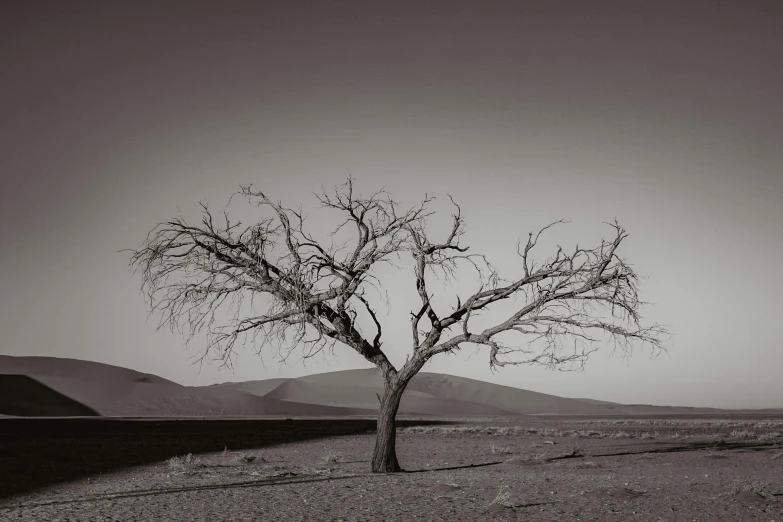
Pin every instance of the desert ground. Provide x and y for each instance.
(496, 468)
(86, 441)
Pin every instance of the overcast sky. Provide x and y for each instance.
(664, 115)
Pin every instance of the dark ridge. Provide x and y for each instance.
(23, 396)
(38, 452)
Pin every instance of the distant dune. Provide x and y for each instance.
(506, 398)
(448, 395)
(258, 388)
(428, 393)
(45, 386)
(648, 409)
(49, 386)
(74, 369)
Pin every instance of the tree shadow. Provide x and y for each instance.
(256, 483)
(183, 489)
(40, 452)
(452, 468)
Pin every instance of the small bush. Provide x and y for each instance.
(502, 498)
(501, 449)
(766, 424)
(247, 458)
(332, 457)
(760, 488)
(538, 457)
(184, 462)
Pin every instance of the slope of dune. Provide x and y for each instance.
(21, 395)
(427, 393)
(47, 385)
(53, 386)
(448, 395)
(257, 388)
(74, 369)
(506, 398)
(161, 400)
(343, 390)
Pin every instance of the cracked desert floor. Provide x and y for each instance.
(529, 468)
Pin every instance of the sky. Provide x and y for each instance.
(663, 115)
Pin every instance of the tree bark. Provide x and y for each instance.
(384, 458)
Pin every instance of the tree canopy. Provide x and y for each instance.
(274, 282)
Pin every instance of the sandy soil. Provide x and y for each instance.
(494, 469)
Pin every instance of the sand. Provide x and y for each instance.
(495, 469)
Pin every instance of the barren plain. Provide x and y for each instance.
(525, 468)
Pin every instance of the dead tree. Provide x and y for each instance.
(281, 284)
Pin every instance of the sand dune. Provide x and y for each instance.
(506, 398)
(21, 395)
(258, 388)
(341, 389)
(74, 369)
(448, 395)
(70, 386)
(427, 393)
(649, 409)
(143, 399)
(35, 386)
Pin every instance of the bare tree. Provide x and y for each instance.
(311, 293)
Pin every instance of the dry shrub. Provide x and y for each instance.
(501, 449)
(332, 457)
(760, 488)
(183, 462)
(539, 457)
(767, 424)
(742, 434)
(247, 458)
(502, 498)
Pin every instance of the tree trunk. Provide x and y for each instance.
(384, 457)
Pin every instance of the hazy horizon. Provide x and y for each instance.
(664, 115)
